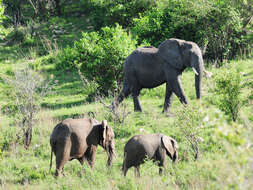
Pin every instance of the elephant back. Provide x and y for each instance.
(60, 130)
(147, 50)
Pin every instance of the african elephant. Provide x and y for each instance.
(78, 139)
(149, 67)
(151, 146)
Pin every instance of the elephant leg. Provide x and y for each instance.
(160, 157)
(168, 98)
(137, 171)
(160, 170)
(90, 155)
(62, 156)
(125, 171)
(161, 165)
(81, 160)
(137, 106)
(124, 165)
(135, 94)
(179, 91)
(124, 168)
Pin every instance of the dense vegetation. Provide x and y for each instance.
(63, 59)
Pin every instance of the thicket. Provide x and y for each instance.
(26, 91)
(100, 57)
(222, 28)
(217, 26)
(108, 12)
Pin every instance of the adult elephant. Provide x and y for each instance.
(149, 67)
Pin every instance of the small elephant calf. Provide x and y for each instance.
(151, 146)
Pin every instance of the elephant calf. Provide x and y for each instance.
(151, 146)
(78, 139)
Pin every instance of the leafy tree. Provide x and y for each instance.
(1, 16)
(27, 88)
(214, 25)
(1, 11)
(108, 12)
(13, 11)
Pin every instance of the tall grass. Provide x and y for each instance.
(225, 152)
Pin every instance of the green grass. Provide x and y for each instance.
(223, 162)
(225, 154)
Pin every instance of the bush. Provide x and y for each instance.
(228, 85)
(214, 25)
(100, 57)
(189, 122)
(27, 90)
(108, 12)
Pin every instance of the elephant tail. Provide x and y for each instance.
(52, 149)
(51, 159)
(124, 162)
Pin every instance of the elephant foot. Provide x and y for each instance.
(59, 174)
(113, 106)
(169, 114)
(137, 110)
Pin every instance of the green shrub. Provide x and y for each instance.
(66, 59)
(228, 85)
(7, 139)
(208, 23)
(100, 57)
(108, 12)
(15, 36)
(190, 131)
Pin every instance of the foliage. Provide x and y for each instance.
(107, 13)
(6, 139)
(28, 89)
(1, 16)
(189, 122)
(1, 11)
(213, 25)
(100, 56)
(228, 86)
(225, 160)
(218, 165)
(19, 12)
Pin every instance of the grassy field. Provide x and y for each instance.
(226, 151)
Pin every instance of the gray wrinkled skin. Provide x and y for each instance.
(149, 146)
(78, 139)
(149, 67)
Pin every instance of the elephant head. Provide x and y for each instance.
(171, 147)
(107, 141)
(180, 54)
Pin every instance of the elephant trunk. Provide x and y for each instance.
(111, 154)
(198, 67)
(175, 157)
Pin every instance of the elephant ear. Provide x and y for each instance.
(104, 125)
(170, 144)
(107, 132)
(170, 52)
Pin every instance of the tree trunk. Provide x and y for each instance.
(58, 7)
(17, 14)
